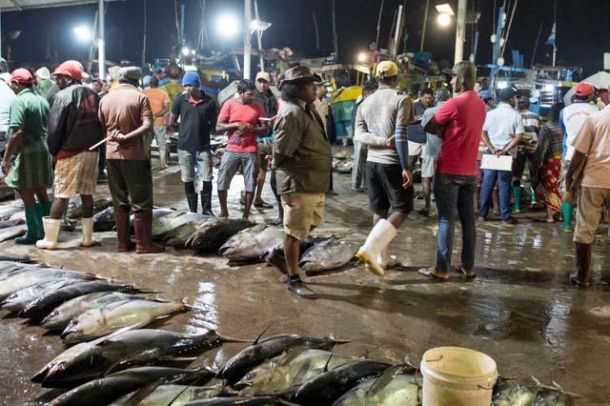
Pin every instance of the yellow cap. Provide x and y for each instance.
(263, 76)
(386, 69)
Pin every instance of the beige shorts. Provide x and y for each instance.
(76, 175)
(589, 213)
(302, 213)
(264, 149)
(428, 166)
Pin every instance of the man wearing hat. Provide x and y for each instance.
(381, 123)
(6, 98)
(159, 102)
(502, 132)
(197, 113)
(526, 152)
(73, 128)
(303, 160)
(127, 117)
(27, 162)
(43, 81)
(572, 119)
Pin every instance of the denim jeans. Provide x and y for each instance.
(455, 195)
(504, 179)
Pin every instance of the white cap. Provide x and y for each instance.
(43, 73)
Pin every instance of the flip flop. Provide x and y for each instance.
(431, 272)
(469, 276)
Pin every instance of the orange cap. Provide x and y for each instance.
(584, 89)
(74, 69)
(22, 76)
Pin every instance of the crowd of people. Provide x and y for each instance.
(63, 130)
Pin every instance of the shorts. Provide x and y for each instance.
(161, 136)
(264, 150)
(234, 161)
(562, 177)
(589, 213)
(384, 184)
(428, 166)
(302, 213)
(76, 175)
(194, 165)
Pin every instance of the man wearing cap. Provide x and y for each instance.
(26, 161)
(572, 118)
(197, 113)
(502, 132)
(6, 98)
(459, 123)
(43, 81)
(73, 128)
(172, 86)
(240, 117)
(381, 123)
(127, 117)
(588, 177)
(303, 161)
(266, 98)
(159, 102)
(526, 152)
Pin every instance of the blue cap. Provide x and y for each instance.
(506, 94)
(191, 79)
(146, 80)
(485, 94)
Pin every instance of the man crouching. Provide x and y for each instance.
(303, 159)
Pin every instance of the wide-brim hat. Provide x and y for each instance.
(298, 74)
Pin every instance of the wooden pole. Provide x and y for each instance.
(536, 44)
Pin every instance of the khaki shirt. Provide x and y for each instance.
(594, 141)
(301, 151)
(121, 112)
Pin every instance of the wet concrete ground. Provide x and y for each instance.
(520, 310)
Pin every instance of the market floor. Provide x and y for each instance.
(520, 310)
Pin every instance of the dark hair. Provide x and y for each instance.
(132, 82)
(443, 94)
(154, 81)
(244, 85)
(577, 97)
(370, 86)
(292, 90)
(389, 81)
(426, 90)
(555, 112)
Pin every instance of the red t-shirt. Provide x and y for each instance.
(463, 117)
(232, 112)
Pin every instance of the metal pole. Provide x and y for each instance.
(335, 38)
(423, 30)
(144, 5)
(379, 24)
(460, 31)
(101, 41)
(0, 31)
(259, 37)
(247, 37)
(315, 27)
(397, 32)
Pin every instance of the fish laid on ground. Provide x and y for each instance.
(10, 267)
(105, 390)
(171, 221)
(104, 220)
(10, 233)
(344, 166)
(119, 350)
(252, 243)
(18, 300)
(176, 395)
(6, 211)
(329, 386)
(265, 349)
(179, 236)
(75, 208)
(214, 233)
(257, 401)
(38, 309)
(397, 386)
(327, 255)
(283, 374)
(34, 275)
(523, 395)
(59, 318)
(11, 223)
(111, 317)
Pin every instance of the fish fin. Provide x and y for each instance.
(332, 352)
(262, 332)
(170, 358)
(385, 378)
(226, 339)
(289, 355)
(142, 393)
(114, 366)
(102, 341)
(185, 304)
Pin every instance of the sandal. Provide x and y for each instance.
(467, 275)
(432, 273)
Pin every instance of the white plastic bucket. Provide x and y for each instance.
(455, 376)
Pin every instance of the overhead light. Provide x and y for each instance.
(444, 20)
(227, 25)
(444, 8)
(362, 57)
(83, 33)
(186, 51)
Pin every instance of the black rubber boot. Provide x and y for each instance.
(192, 201)
(296, 285)
(582, 277)
(206, 199)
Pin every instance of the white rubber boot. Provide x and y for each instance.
(162, 159)
(51, 232)
(379, 238)
(88, 240)
(388, 261)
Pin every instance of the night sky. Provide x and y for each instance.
(581, 28)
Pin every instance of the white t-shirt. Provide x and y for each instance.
(502, 124)
(6, 98)
(572, 119)
(594, 140)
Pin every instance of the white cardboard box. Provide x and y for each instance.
(497, 163)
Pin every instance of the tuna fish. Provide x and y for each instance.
(9, 233)
(179, 236)
(18, 300)
(176, 395)
(171, 221)
(252, 243)
(265, 349)
(111, 317)
(6, 211)
(327, 255)
(104, 220)
(285, 373)
(257, 401)
(212, 234)
(59, 318)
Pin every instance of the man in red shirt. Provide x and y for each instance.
(240, 118)
(459, 123)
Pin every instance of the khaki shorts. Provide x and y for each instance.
(428, 166)
(264, 149)
(302, 213)
(76, 175)
(589, 213)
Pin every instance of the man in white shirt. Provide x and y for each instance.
(589, 175)
(572, 119)
(6, 98)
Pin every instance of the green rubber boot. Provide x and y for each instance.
(534, 199)
(34, 223)
(45, 208)
(566, 211)
(517, 194)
